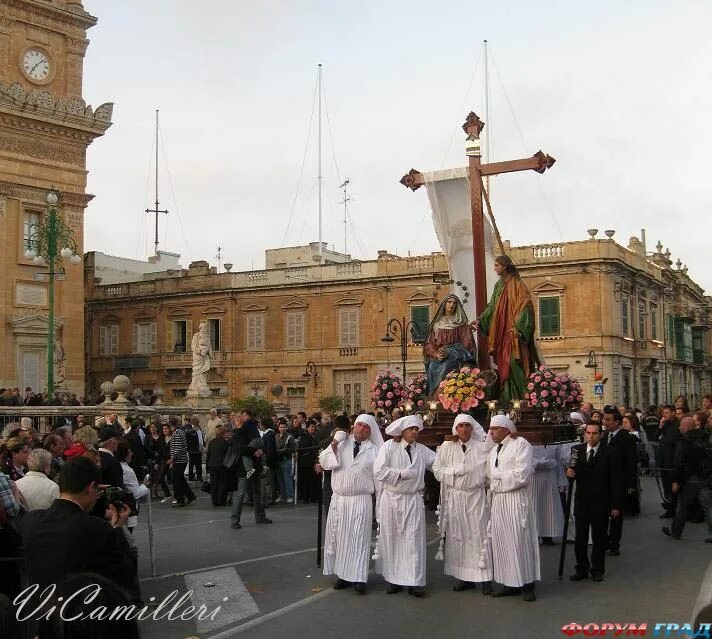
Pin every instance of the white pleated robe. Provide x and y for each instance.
(547, 478)
(464, 512)
(401, 513)
(513, 533)
(347, 542)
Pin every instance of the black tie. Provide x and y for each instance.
(407, 450)
(496, 461)
(464, 448)
(591, 454)
(357, 445)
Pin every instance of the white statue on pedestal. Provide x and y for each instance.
(202, 352)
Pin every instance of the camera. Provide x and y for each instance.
(118, 497)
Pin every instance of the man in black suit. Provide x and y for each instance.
(599, 495)
(65, 539)
(111, 472)
(625, 444)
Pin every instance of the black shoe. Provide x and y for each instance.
(462, 585)
(264, 520)
(614, 552)
(486, 588)
(179, 504)
(529, 595)
(360, 588)
(669, 533)
(547, 541)
(191, 499)
(393, 589)
(578, 576)
(341, 584)
(506, 591)
(236, 525)
(417, 591)
(597, 577)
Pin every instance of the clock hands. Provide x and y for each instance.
(36, 65)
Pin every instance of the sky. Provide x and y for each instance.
(619, 92)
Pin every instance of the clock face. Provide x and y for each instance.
(35, 64)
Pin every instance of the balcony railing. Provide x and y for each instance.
(548, 250)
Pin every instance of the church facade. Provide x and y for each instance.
(45, 129)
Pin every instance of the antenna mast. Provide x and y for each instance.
(218, 255)
(488, 120)
(156, 210)
(345, 202)
(321, 249)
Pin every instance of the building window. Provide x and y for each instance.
(295, 329)
(29, 227)
(348, 327)
(215, 330)
(295, 399)
(178, 334)
(698, 348)
(549, 316)
(625, 316)
(144, 337)
(255, 331)
(641, 320)
(626, 386)
(109, 340)
(683, 340)
(420, 316)
(653, 321)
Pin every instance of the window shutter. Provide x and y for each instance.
(299, 330)
(170, 346)
(291, 327)
(154, 335)
(188, 335)
(134, 345)
(102, 340)
(250, 332)
(260, 332)
(114, 340)
(420, 316)
(549, 317)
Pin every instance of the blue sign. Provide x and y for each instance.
(598, 389)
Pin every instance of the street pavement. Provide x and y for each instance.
(267, 584)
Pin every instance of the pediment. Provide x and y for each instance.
(419, 298)
(548, 287)
(214, 310)
(178, 311)
(254, 308)
(296, 303)
(349, 301)
(34, 324)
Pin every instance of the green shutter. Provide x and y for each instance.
(549, 317)
(420, 316)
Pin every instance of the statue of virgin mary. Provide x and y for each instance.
(449, 344)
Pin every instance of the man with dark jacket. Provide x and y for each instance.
(667, 437)
(65, 539)
(691, 476)
(599, 496)
(624, 443)
(111, 472)
(195, 443)
(138, 457)
(269, 461)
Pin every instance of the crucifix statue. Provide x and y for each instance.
(539, 162)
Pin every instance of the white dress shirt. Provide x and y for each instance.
(38, 490)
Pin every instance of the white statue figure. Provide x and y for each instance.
(202, 352)
(59, 364)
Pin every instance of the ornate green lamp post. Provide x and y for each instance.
(42, 245)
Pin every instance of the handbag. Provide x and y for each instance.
(230, 458)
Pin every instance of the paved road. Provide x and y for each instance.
(273, 587)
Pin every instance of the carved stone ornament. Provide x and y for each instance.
(473, 125)
(409, 181)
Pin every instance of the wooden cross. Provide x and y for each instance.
(539, 162)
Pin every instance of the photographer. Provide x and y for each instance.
(65, 538)
(138, 491)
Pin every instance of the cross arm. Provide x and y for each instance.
(539, 162)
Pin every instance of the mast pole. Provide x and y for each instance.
(155, 241)
(319, 177)
(488, 136)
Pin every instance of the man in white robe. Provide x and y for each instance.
(400, 467)
(461, 468)
(515, 547)
(347, 547)
(546, 486)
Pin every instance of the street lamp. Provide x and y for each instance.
(310, 371)
(399, 329)
(41, 247)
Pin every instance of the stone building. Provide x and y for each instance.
(266, 326)
(45, 129)
(627, 314)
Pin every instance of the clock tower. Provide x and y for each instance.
(45, 129)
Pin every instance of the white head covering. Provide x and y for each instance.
(577, 417)
(399, 425)
(503, 421)
(376, 437)
(478, 433)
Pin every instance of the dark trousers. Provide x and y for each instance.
(692, 490)
(598, 527)
(180, 485)
(253, 486)
(615, 531)
(665, 460)
(159, 478)
(308, 484)
(195, 466)
(218, 486)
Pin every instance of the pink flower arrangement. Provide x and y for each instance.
(387, 390)
(462, 390)
(415, 392)
(547, 389)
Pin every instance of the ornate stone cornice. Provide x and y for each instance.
(37, 195)
(71, 113)
(72, 19)
(42, 150)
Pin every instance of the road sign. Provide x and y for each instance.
(598, 389)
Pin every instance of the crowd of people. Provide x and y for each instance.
(498, 496)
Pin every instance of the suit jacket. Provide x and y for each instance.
(111, 472)
(599, 484)
(63, 539)
(625, 444)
